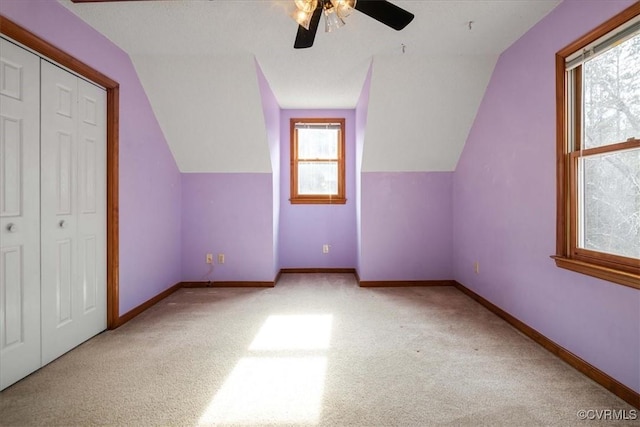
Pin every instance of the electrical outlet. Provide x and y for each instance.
(220, 258)
(209, 258)
(325, 249)
(476, 267)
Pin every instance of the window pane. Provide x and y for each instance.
(317, 143)
(612, 95)
(611, 203)
(317, 178)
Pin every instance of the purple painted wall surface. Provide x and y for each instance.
(362, 108)
(229, 213)
(406, 226)
(504, 206)
(305, 228)
(272, 124)
(149, 178)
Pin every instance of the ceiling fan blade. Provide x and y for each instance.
(305, 38)
(385, 12)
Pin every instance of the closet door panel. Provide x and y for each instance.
(73, 150)
(92, 207)
(19, 213)
(58, 151)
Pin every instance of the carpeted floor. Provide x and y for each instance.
(314, 350)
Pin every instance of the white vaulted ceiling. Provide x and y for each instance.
(163, 36)
(444, 92)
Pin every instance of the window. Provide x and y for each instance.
(317, 161)
(598, 111)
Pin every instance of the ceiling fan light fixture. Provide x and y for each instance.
(332, 20)
(344, 7)
(302, 18)
(304, 12)
(306, 5)
(335, 11)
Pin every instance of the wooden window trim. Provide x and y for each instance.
(613, 268)
(30, 40)
(317, 199)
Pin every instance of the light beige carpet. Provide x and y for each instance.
(314, 350)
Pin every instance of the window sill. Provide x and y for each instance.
(317, 201)
(605, 273)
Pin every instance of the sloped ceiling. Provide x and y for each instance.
(209, 109)
(210, 35)
(421, 109)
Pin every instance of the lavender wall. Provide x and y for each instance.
(406, 224)
(305, 228)
(235, 214)
(149, 178)
(228, 213)
(504, 206)
(362, 109)
(403, 219)
(271, 111)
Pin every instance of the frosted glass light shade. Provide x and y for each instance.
(306, 5)
(344, 7)
(302, 18)
(332, 20)
(304, 12)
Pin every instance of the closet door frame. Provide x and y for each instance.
(40, 46)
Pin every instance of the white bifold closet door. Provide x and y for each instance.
(19, 213)
(52, 212)
(73, 206)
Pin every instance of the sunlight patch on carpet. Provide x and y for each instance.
(294, 332)
(274, 383)
(263, 390)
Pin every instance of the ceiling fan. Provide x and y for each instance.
(308, 13)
